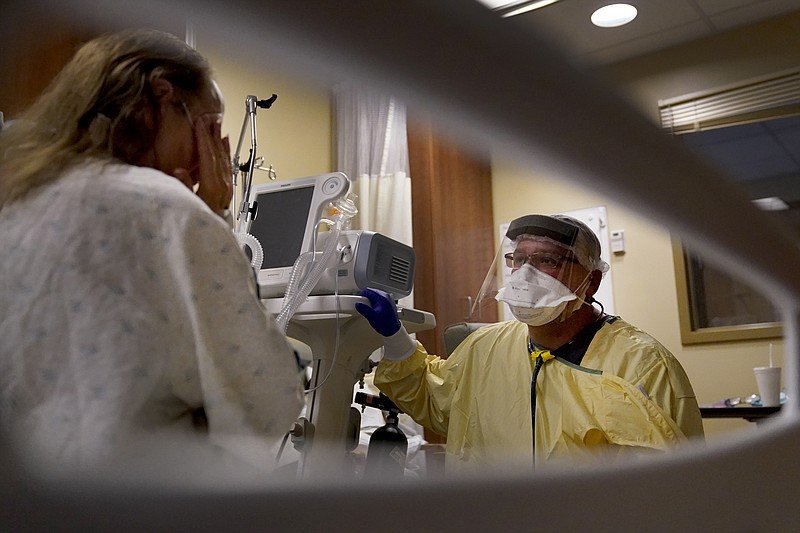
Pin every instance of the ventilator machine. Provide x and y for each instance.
(310, 265)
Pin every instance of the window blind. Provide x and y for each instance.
(733, 104)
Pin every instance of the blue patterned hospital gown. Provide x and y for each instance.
(126, 306)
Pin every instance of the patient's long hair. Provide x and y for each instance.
(100, 105)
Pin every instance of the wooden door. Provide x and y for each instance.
(34, 50)
(31, 59)
(453, 232)
(453, 227)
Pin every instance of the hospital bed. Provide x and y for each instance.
(484, 87)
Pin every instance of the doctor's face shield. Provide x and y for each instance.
(543, 263)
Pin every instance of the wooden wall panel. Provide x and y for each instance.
(453, 227)
(35, 46)
(453, 232)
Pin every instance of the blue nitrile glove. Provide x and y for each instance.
(381, 313)
(382, 316)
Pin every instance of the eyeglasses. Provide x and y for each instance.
(217, 116)
(539, 260)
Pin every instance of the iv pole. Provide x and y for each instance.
(252, 103)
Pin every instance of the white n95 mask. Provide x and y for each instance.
(534, 297)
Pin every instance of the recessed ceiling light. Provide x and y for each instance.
(613, 15)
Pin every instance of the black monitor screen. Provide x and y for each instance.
(280, 224)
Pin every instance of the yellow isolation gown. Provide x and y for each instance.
(628, 397)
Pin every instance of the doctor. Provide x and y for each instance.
(563, 384)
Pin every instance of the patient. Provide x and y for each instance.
(128, 308)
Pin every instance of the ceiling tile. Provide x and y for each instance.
(751, 13)
(660, 24)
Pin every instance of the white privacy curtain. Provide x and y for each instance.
(372, 150)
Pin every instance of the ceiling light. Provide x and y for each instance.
(497, 4)
(509, 8)
(772, 203)
(613, 15)
(528, 7)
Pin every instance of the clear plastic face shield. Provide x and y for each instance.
(542, 270)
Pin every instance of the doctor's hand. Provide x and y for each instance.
(381, 313)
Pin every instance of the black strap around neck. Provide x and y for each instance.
(574, 350)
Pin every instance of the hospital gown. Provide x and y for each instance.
(127, 311)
